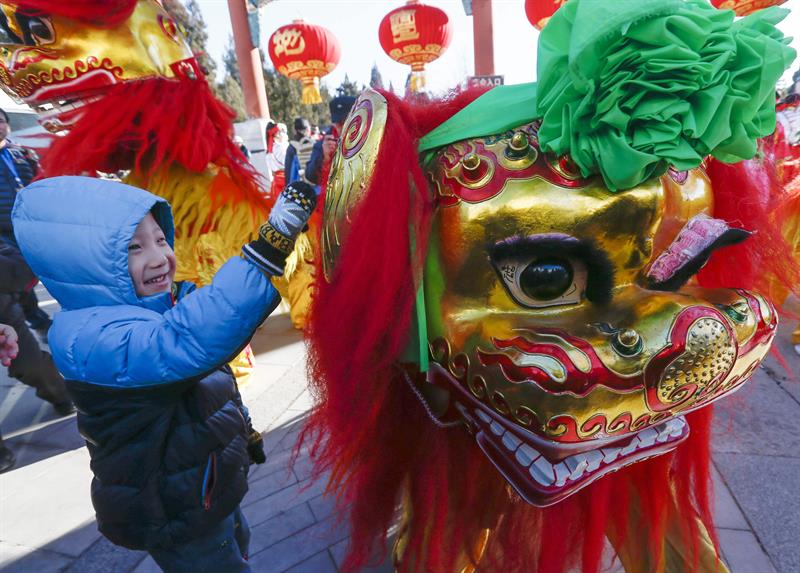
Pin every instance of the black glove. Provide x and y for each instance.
(255, 448)
(287, 219)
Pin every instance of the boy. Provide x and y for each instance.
(146, 361)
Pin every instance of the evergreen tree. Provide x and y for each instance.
(285, 100)
(229, 91)
(230, 62)
(348, 88)
(375, 79)
(190, 20)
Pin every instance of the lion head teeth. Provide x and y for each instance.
(581, 465)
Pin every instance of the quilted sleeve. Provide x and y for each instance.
(123, 346)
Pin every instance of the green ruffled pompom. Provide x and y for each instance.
(684, 81)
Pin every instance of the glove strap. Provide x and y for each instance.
(270, 250)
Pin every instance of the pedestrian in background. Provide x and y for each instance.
(32, 366)
(323, 150)
(8, 351)
(239, 142)
(277, 145)
(19, 350)
(299, 151)
(18, 167)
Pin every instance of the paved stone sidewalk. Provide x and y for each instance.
(47, 525)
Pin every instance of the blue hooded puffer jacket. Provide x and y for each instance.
(156, 401)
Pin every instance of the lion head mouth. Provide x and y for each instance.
(519, 456)
(543, 471)
(555, 411)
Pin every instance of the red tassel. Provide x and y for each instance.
(370, 458)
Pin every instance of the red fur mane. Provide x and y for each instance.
(750, 196)
(148, 124)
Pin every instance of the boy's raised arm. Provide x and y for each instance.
(204, 330)
(140, 347)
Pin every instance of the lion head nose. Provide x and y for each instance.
(708, 356)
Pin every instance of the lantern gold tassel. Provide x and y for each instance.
(311, 94)
(417, 81)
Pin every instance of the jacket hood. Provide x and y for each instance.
(74, 233)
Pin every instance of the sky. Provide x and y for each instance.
(355, 23)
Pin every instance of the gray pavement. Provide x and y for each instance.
(757, 455)
(47, 523)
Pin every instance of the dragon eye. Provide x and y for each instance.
(40, 30)
(170, 28)
(542, 281)
(546, 279)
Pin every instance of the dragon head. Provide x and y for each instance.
(509, 300)
(560, 328)
(56, 58)
(561, 331)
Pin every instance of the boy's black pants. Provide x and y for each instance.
(32, 366)
(35, 316)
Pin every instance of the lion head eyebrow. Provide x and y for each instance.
(600, 271)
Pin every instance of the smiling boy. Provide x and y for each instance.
(151, 261)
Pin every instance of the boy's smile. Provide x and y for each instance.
(151, 261)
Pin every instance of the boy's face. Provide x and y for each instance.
(151, 261)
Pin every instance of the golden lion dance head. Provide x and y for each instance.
(509, 300)
(560, 326)
(55, 56)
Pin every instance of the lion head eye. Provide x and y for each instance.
(41, 30)
(170, 28)
(546, 279)
(552, 269)
(543, 281)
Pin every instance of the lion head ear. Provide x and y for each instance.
(352, 172)
(375, 222)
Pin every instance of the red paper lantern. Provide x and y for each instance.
(304, 52)
(744, 7)
(415, 34)
(540, 11)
